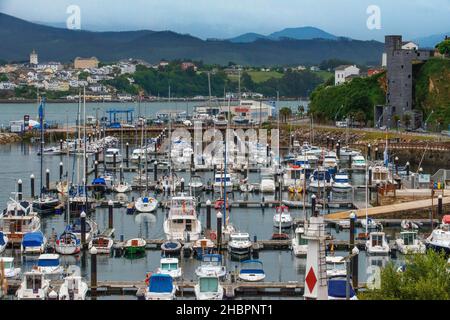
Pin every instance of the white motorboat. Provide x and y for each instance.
(252, 271)
(211, 265)
(267, 183)
(146, 204)
(335, 266)
(220, 120)
(160, 287)
(377, 244)
(10, 271)
(122, 187)
(73, 288)
(182, 221)
(222, 181)
(439, 240)
(359, 163)
(330, 162)
(299, 245)
(3, 242)
(381, 175)
(111, 154)
(102, 244)
(293, 176)
(370, 224)
(68, 243)
(196, 184)
(49, 264)
(341, 183)
(33, 242)
(320, 179)
(282, 218)
(171, 267)
(34, 286)
(408, 243)
(208, 288)
(240, 244)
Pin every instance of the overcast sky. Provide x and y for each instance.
(228, 18)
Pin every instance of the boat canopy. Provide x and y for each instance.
(255, 269)
(32, 239)
(161, 283)
(337, 288)
(99, 181)
(209, 284)
(76, 227)
(48, 262)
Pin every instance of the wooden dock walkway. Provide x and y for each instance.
(390, 209)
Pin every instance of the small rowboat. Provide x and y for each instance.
(135, 246)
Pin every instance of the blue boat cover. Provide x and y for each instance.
(161, 283)
(33, 239)
(48, 262)
(2, 242)
(99, 181)
(337, 288)
(145, 200)
(252, 271)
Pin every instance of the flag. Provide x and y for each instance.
(41, 112)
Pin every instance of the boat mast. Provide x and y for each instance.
(41, 120)
(68, 179)
(85, 150)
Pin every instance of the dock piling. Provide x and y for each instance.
(61, 170)
(127, 153)
(111, 214)
(32, 185)
(93, 273)
(47, 179)
(83, 230)
(219, 231)
(208, 215)
(19, 189)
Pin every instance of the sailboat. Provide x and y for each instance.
(45, 202)
(145, 203)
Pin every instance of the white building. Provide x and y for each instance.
(127, 68)
(7, 86)
(409, 45)
(342, 72)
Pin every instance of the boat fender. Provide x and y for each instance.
(147, 278)
(213, 236)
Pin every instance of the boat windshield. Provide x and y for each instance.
(8, 264)
(377, 240)
(341, 180)
(227, 179)
(408, 238)
(169, 266)
(34, 282)
(209, 285)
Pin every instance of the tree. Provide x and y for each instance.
(396, 119)
(285, 113)
(83, 75)
(444, 47)
(301, 109)
(425, 278)
(3, 77)
(360, 117)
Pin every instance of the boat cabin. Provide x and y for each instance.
(408, 237)
(209, 284)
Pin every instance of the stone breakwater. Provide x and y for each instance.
(6, 138)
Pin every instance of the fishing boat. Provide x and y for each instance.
(34, 286)
(160, 287)
(208, 288)
(359, 163)
(68, 243)
(49, 264)
(146, 204)
(182, 221)
(3, 242)
(135, 246)
(282, 218)
(9, 270)
(171, 267)
(341, 183)
(102, 244)
(202, 247)
(73, 288)
(252, 271)
(439, 240)
(299, 245)
(33, 242)
(240, 244)
(171, 248)
(377, 244)
(408, 243)
(337, 289)
(212, 264)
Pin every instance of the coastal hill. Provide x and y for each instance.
(357, 97)
(20, 37)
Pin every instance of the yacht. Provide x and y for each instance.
(68, 243)
(91, 229)
(341, 183)
(10, 271)
(34, 286)
(282, 218)
(33, 242)
(211, 265)
(196, 184)
(146, 204)
(240, 244)
(359, 163)
(408, 243)
(182, 222)
(377, 244)
(102, 244)
(160, 287)
(220, 120)
(171, 267)
(208, 288)
(73, 288)
(299, 245)
(267, 182)
(439, 240)
(330, 162)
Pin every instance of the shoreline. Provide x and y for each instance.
(162, 100)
